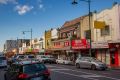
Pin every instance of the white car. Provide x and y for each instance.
(3, 61)
(41, 58)
(59, 61)
(30, 57)
(62, 61)
(68, 62)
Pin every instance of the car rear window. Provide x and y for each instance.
(22, 57)
(2, 58)
(33, 68)
(31, 57)
(44, 57)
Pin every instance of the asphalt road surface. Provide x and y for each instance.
(68, 72)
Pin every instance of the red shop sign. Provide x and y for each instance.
(79, 44)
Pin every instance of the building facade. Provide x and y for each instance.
(72, 39)
(107, 39)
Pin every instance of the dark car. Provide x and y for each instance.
(27, 70)
(3, 61)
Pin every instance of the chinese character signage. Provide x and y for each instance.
(80, 44)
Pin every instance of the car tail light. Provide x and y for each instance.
(23, 76)
(47, 72)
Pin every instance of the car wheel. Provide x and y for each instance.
(93, 67)
(77, 65)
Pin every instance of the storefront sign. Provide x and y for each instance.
(61, 44)
(100, 45)
(67, 43)
(80, 44)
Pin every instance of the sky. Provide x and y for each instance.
(40, 15)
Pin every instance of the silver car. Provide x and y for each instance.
(3, 61)
(91, 63)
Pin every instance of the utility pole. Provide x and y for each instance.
(90, 41)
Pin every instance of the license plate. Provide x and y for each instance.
(37, 78)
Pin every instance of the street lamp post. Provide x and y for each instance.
(88, 1)
(31, 36)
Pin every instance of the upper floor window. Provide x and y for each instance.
(87, 34)
(105, 31)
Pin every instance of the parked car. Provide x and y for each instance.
(51, 59)
(90, 62)
(3, 61)
(46, 58)
(63, 61)
(59, 61)
(15, 58)
(41, 58)
(27, 70)
(30, 57)
(18, 58)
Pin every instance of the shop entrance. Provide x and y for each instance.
(114, 58)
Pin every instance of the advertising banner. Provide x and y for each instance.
(80, 44)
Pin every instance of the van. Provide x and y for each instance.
(3, 61)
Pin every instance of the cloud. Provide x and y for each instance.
(40, 6)
(8, 1)
(40, 1)
(23, 9)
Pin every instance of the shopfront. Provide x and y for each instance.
(60, 48)
(114, 49)
(80, 47)
(102, 51)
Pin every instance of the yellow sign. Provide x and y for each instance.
(99, 24)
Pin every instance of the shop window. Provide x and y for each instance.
(105, 31)
(87, 34)
(68, 34)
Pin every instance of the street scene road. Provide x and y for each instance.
(69, 72)
(60, 39)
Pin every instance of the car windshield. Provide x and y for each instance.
(33, 68)
(31, 57)
(50, 57)
(22, 57)
(44, 57)
(96, 60)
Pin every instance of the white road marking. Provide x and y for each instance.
(88, 73)
(75, 75)
(58, 69)
(90, 76)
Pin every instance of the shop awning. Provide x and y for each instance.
(30, 50)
